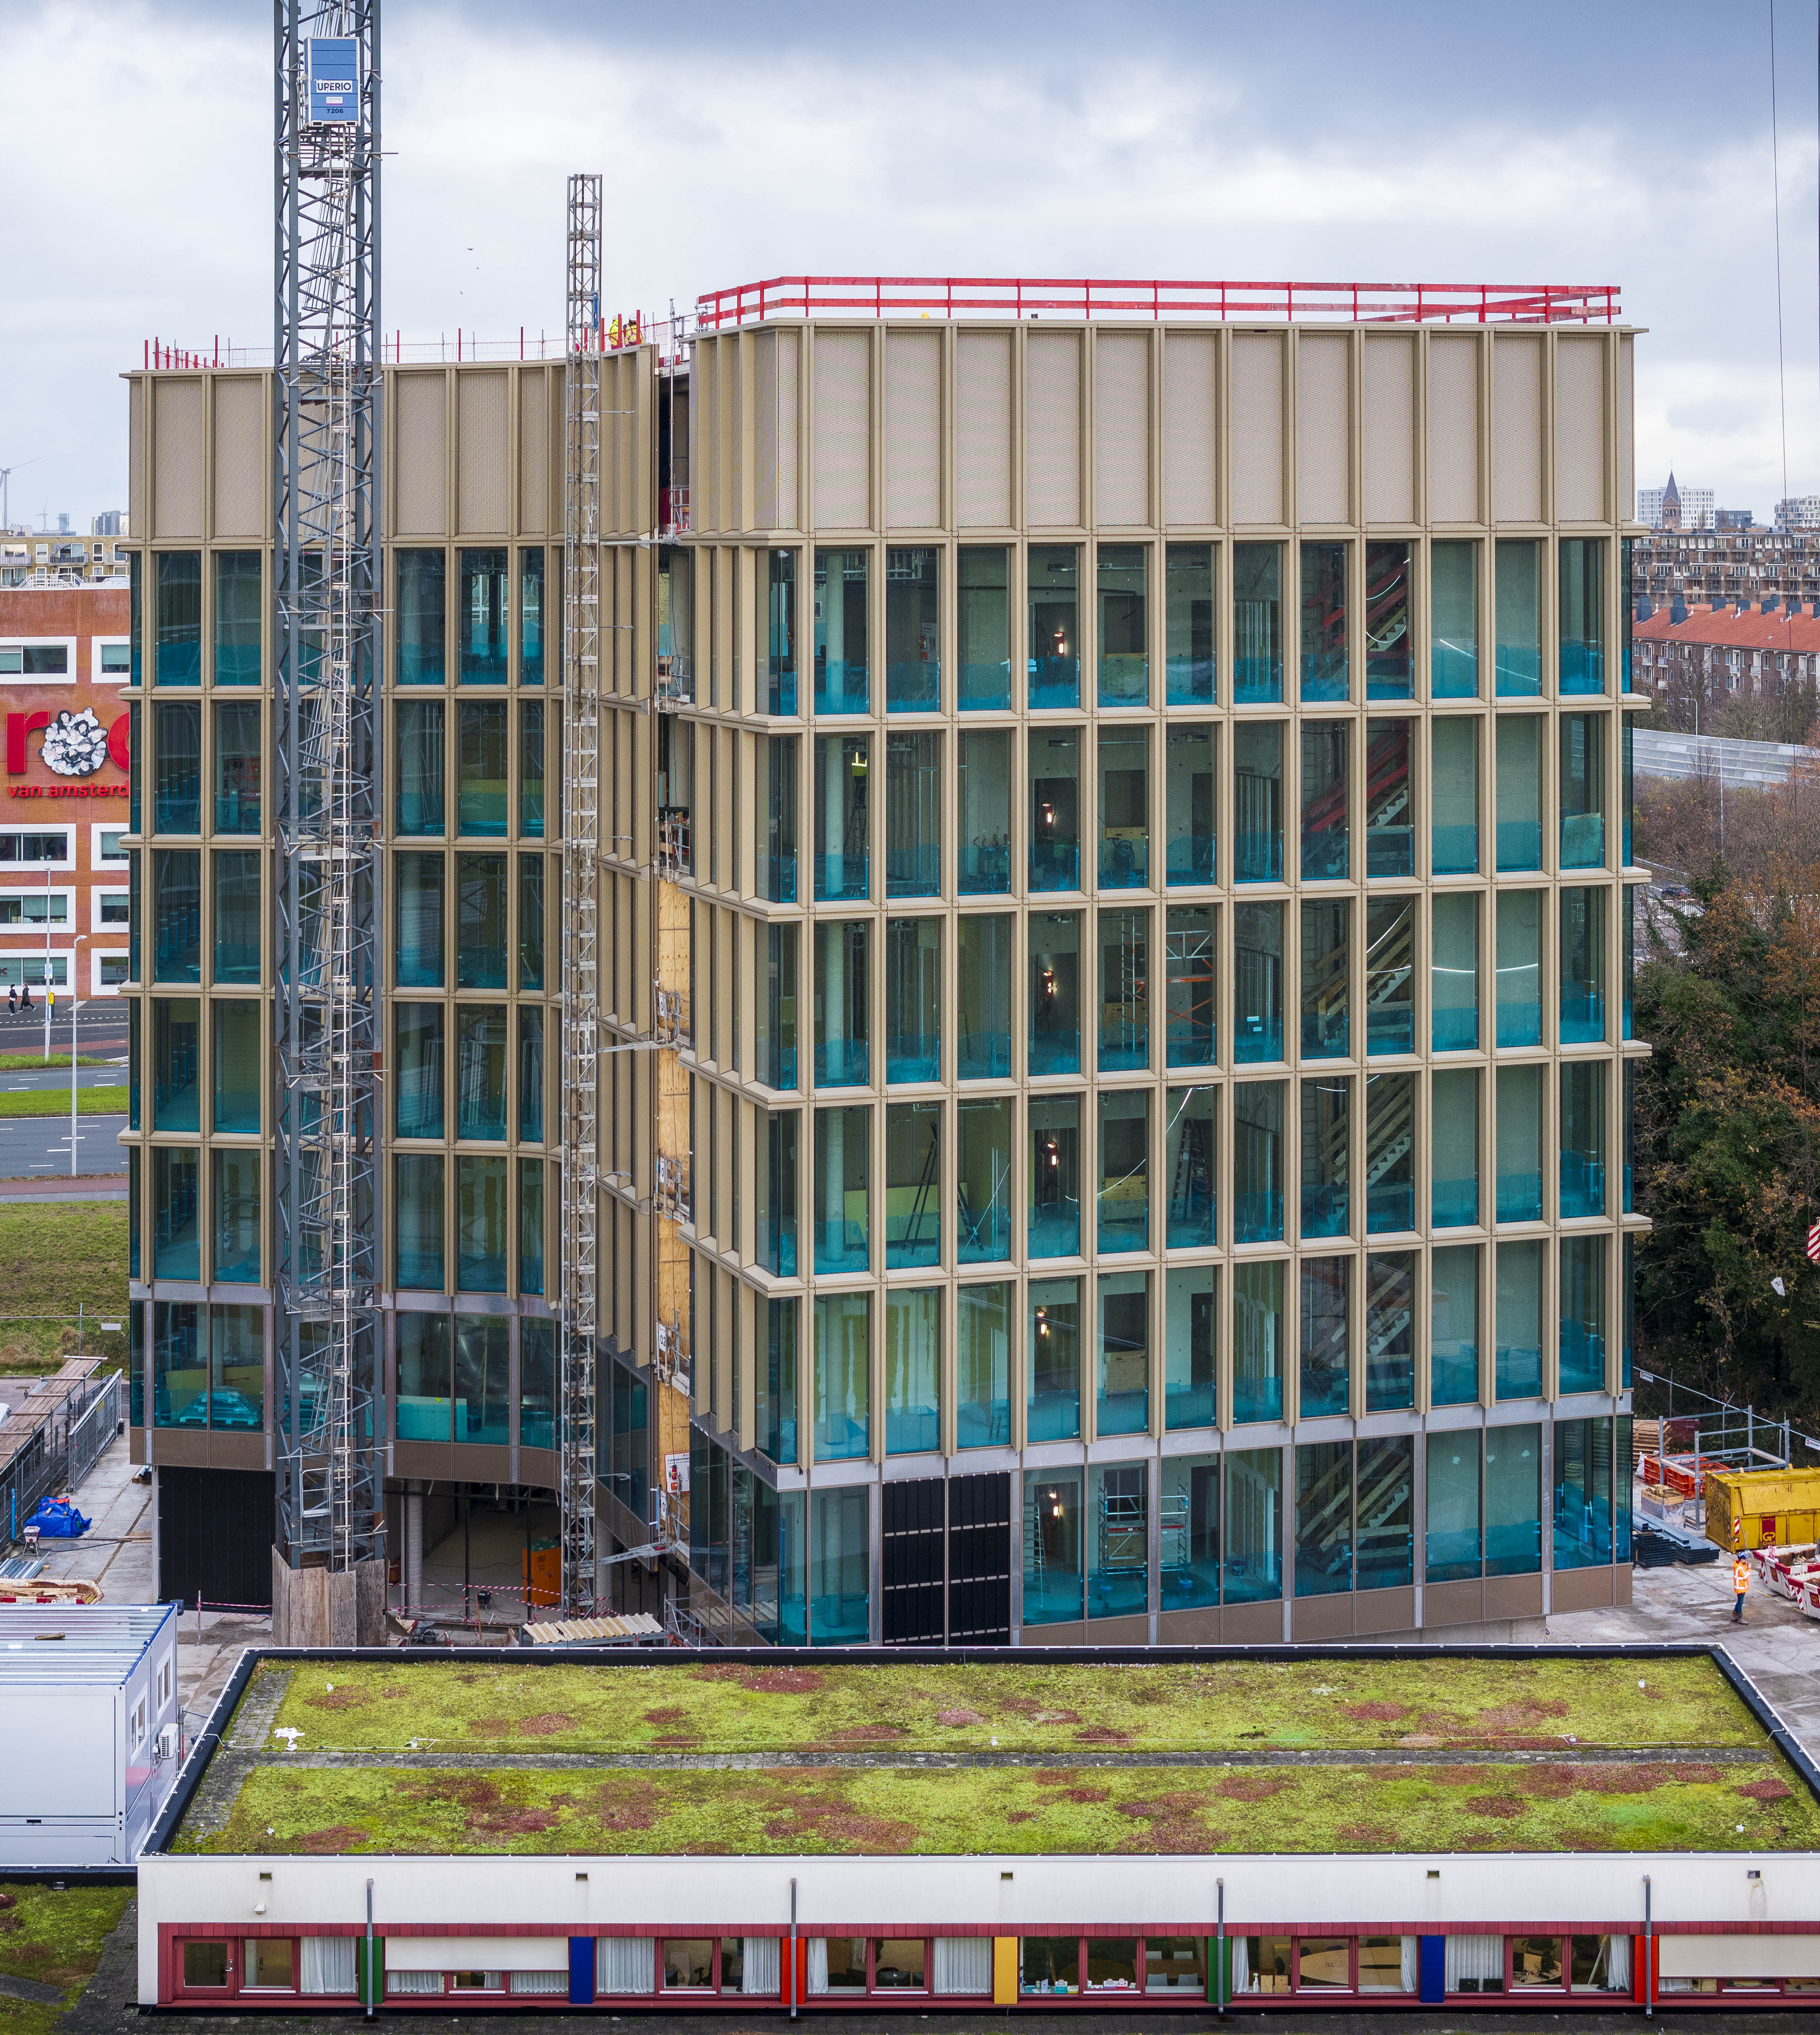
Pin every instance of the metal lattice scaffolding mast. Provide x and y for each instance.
(580, 850)
(325, 389)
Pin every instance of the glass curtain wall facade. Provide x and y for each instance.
(1017, 1210)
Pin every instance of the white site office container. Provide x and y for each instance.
(90, 1730)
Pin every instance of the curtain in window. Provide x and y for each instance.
(540, 1981)
(1474, 1958)
(818, 1963)
(1412, 1963)
(413, 1981)
(762, 1965)
(1617, 1964)
(328, 1965)
(963, 1964)
(625, 1964)
(1242, 1981)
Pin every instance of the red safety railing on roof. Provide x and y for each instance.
(1032, 296)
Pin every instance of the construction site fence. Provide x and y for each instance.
(612, 334)
(73, 1440)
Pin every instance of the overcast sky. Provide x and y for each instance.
(1568, 141)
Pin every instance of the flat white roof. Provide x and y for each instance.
(98, 1644)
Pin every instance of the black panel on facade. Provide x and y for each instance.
(911, 1560)
(979, 1556)
(215, 1535)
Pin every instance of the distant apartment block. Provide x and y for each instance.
(1740, 568)
(1798, 512)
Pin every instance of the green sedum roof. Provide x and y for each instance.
(1318, 1754)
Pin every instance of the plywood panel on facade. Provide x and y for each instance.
(913, 429)
(1051, 430)
(1579, 430)
(1190, 368)
(534, 450)
(843, 430)
(177, 458)
(1255, 427)
(483, 459)
(1389, 427)
(982, 430)
(774, 429)
(1121, 427)
(1453, 429)
(420, 471)
(239, 454)
(1324, 428)
(1516, 427)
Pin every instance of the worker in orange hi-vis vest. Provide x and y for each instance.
(1741, 1584)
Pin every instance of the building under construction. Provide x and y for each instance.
(782, 1073)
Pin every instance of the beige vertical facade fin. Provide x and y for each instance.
(136, 455)
(1516, 426)
(177, 476)
(1389, 427)
(419, 457)
(1190, 375)
(913, 428)
(1051, 430)
(982, 430)
(1121, 427)
(1323, 428)
(843, 431)
(765, 449)
(534, 450)
(483, 438)
(1452, 428)
(1626, 504)
(1255, 426)
(239, 456)
(1580, 429)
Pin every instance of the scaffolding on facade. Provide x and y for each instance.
(579, 1286)
(326, 391)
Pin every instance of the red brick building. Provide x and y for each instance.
(64, 655)
(1685, 655)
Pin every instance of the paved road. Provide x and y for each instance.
(34, 1147)
(15, 1080)
(101, 1027)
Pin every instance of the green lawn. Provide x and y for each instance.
(12, 1063)
(100, 1100)
(1674, 1806)
(1032, 1706)
(51, 1258)
(55, 1938)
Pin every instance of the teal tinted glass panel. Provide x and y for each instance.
(1124, 625)
(1518, 600)
(531, 631)
(537, 1382)
(843, 859)
(176, 1212)
(179, 624)
(531, 768)
(1582, 1137)
(1583, 1313)
(1257, 801)
(982, 1366)
(178, 785)
(484, 650)
(1453, 794)
(179, 1364)
(1257, 622)
(483, 1226)
(1117, 1576)
(1325, 611)
(419, 932)
(1582, 965)
(530, 922)
(842, 1189)
(1052, 1227)
(482, 780)
(417, 1074)
(531, 1228)
(1390, 974)
(1190, 951)
(1251, 1560)
(530, 1074)
(842, 1376)
(983, 783)
(1124, 1223)
(419, 1219)
(1258, 988)
(1582, 791)
(1520, 1320)
(1257, 1162)
(480, 947)
(1326, 1339)
(1519, 791)
(1513, 1500)
(843, 631)
(239, 1069)
(1582, 592)
(1054, 755)
(426, 1382)
(983, 629)
(913, 1371)
(1327, 1116)
(1258, 1346)
(1453, 1147)
(778, 634)
(1053, 1413)
(1389, 648)
(912, 816)
(1389, 1153)
(417, 727)
(480, 1071)
(913, 1184)
(984, 980)
(1191, 651)
(983, 1179)
(1054, 637)
(238, 916)
(1190, 1362)
(238, 760)
(1055, 1012)
(239, 613)
(419, 656)
(176, 1064)
(1453, 1326)
(1190, 758)
(234, 1192)
(913, 631)
(1124, 829)
(483, 1376)
(177, 915)
(1453, 621)
(1454, 972)
(1124, 990)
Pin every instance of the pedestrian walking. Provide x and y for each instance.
(12, 999)
(25, 997)
(1741, 1584)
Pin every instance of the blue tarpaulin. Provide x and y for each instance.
(57, 1519)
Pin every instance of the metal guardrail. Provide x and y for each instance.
(1656, 752)
(68, 1445)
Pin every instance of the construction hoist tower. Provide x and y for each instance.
(580, 880)
(328, 1565)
